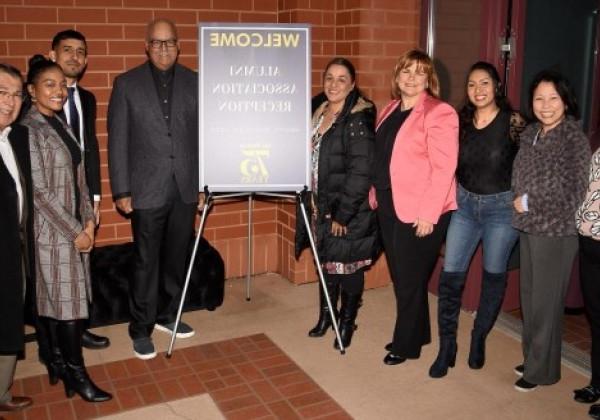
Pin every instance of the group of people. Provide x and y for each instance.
(51, 203)
(421, 174)
(405, 180)
(50, 199)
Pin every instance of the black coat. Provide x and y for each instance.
(90, 141)
(11, 275)
(345, 165)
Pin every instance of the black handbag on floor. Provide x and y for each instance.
(112, 267)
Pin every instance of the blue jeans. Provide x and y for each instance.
(485, 218)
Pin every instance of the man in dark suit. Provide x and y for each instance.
(16, 252)
(69, 51)
(153, 163)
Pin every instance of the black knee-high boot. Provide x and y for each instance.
(48, 349)
(493, 287)
(348, 313)
(450, 296)
(324, 322)
(76, 378)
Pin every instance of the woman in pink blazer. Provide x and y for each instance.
(414, 191)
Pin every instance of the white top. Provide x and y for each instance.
(588, 214)
(8, 156)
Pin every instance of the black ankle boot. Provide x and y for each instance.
(78, 381)
(477, 350)
(446, 358)
(76, 378)
(324, 322)
(348, 313)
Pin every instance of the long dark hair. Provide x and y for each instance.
(563, 88)
(467, 110)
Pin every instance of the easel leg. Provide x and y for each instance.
(249, 264)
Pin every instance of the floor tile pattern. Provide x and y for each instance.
(247, 377)
(576, 331)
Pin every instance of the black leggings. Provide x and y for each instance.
(352, 284)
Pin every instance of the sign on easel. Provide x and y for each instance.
(254, 108)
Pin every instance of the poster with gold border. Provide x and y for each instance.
(254, 107)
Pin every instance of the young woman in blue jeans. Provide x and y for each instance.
(488, 145)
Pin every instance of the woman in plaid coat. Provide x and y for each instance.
(63, 229)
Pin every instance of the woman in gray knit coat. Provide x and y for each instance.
(549, 182)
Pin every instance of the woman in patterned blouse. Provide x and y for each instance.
(588, 224)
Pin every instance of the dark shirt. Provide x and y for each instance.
(384, 145)
(75, 153)
(163, 81)
(485, 157)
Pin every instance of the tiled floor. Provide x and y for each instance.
(576, 331)
(247, 377)
(358, 381)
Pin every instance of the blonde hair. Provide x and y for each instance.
(424, 63)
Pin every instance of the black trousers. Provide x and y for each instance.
(589, 272)
(161, 238)
(411, 261)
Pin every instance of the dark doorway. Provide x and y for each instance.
(561, 35)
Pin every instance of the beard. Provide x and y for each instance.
(72, 71)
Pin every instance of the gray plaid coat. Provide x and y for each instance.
(62, 272)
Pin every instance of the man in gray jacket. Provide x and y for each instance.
(153, 163)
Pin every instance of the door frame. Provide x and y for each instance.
(493, 30)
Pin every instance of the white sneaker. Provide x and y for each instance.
(183, 330)
(143, 348)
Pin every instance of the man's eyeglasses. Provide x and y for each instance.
(157, 44)
(4, 95)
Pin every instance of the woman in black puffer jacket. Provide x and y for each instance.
(343, 223)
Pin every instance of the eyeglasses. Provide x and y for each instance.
(4, 95)
(157, 44)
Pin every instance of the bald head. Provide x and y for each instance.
(160, 22)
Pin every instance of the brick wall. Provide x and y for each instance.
(372, 33)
